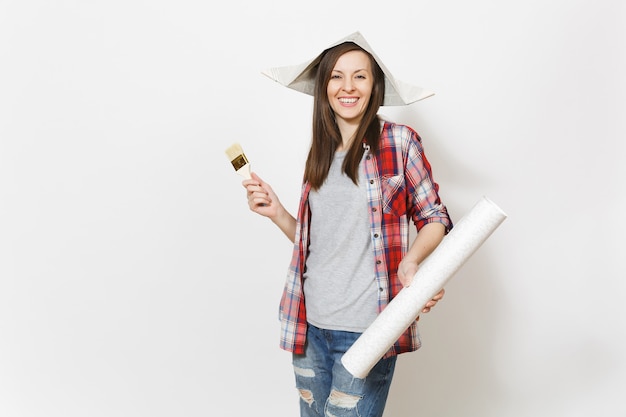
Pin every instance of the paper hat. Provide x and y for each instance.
(302, 77)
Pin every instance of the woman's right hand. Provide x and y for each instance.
(261, 198)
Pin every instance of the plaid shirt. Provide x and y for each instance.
(399, 188)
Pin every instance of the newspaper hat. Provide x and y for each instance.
(302, 77)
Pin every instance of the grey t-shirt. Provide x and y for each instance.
(340, 284)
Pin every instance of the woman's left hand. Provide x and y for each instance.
(406, 272)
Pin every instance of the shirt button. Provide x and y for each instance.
(371, 181)
(368, 157)
(376, 235)
(374, 209)
(378, 262)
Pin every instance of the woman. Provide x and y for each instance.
(364, 180)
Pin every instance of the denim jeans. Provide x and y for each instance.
(327, 389)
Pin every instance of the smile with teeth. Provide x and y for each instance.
(348, 100)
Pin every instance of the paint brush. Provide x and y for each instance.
(238, 159)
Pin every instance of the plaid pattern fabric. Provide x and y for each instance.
(400, 189)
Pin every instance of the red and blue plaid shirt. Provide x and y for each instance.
(400, 188)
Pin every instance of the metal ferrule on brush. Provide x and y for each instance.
(239, 162)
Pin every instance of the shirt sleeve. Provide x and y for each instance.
(424, 203)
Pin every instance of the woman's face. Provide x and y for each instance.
(350, 86)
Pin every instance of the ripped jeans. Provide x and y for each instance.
(327, 389)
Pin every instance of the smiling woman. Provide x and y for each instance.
(351, 248)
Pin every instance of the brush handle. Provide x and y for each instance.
(244, 171)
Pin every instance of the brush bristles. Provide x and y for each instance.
(234, 151)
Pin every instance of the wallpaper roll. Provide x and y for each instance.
(457, 247)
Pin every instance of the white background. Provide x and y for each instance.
(134, 281)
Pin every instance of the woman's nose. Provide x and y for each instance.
(347, 85)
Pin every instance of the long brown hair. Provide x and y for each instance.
(326, 136)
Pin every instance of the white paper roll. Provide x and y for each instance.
(456, 248)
